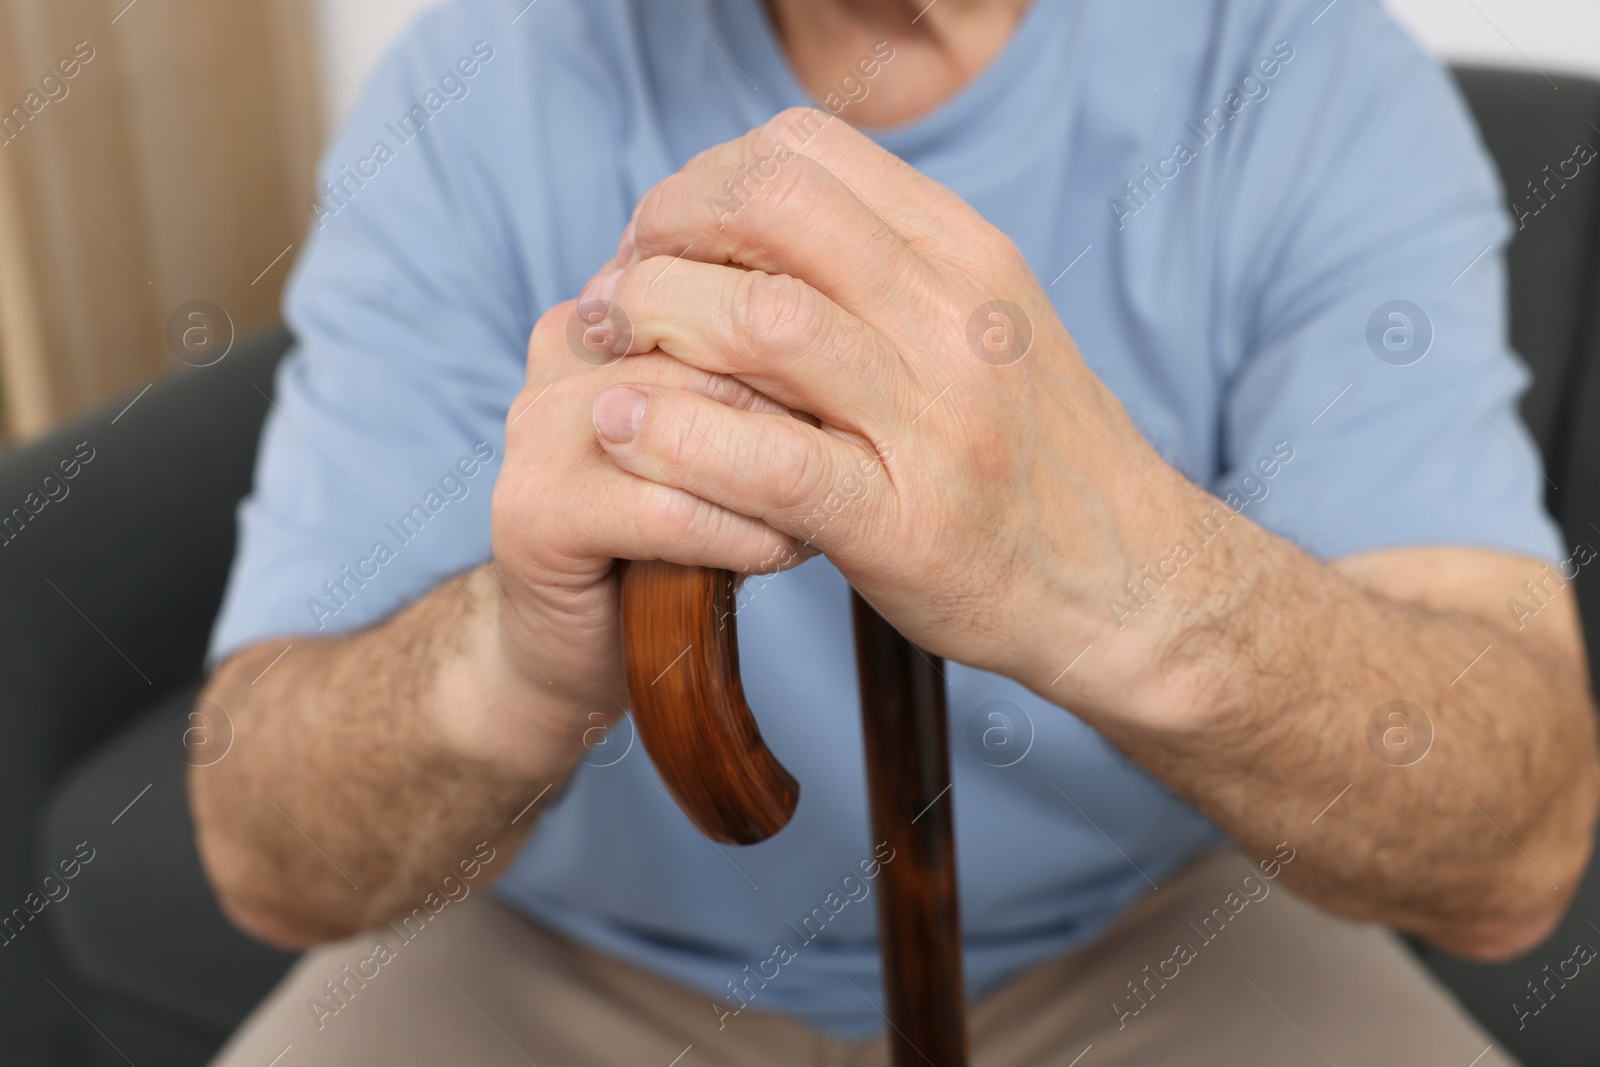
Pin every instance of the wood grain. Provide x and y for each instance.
(682, 657)
(689, 708)
(905, 728)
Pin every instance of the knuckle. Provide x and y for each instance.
(550, 323)
(785, 118)
(681, 439)
(677, 436)
(770, 306)
(800, 122)
(651, 224)
(774, 134)
(549, 330)
(794, 193)
(794, 472)
(1000, 253)
(670, 517)
(627, 294)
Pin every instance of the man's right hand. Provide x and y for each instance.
(366, 767)
(564, 512)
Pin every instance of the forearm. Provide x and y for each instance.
(352, 788)
(1283, 663)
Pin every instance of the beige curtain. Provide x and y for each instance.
(152, 154)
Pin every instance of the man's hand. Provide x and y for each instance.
(453, 718)
(976, 482)
(563, 513)
(970, 476)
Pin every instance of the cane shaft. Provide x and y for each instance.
(909, 787)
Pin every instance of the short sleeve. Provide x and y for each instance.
(411, 310)
(1372, 312)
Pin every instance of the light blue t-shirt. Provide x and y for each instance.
(1225, 199)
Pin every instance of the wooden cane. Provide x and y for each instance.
(682, 656)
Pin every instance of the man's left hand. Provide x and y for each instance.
(965, 470)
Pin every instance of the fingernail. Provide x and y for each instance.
(600, 287)
(625, 246)
(618, 412)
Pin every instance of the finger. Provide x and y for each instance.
(916, 205)
(557, 349)
(794, 477)
(789, 218)
(572, 505)
(775, 332)
(574, 501)
(545, 407)
(669, 523)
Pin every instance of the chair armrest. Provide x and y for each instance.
(111, 587)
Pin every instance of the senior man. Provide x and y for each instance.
(1145, 360)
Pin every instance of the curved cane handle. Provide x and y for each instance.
(682, 659)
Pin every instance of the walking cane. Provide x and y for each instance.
(689, 709)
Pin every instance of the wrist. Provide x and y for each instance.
(1158, 638)
(1200, 633)
(488, 706)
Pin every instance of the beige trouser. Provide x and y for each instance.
(1281, 983)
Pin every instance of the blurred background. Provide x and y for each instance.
(156, 182)
(177, 166)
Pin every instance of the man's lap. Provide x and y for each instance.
(1277, 982)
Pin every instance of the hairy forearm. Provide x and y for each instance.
(348, 795)
(1284, 662)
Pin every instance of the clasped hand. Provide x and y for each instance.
(807, 346)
